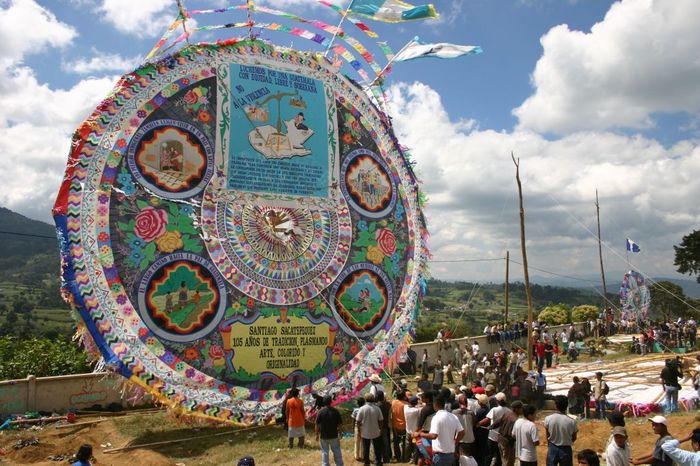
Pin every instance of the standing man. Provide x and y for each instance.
(618, 451)
(398, 425)
(658, 456)
(329, 429)
(540, 387)
(493, 421)
(539, 352)
(411, 413)
(369, 421)
(438, 374)
(295, 417)
(669, 381)
(600, 389)
(376, 385)
(445, 433)
(561, 434)
(526, 437)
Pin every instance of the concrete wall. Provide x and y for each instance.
(62, 393)
(446, 354)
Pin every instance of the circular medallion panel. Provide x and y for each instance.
(362, 298)
(367, 184)
(181, 297)
(171, 158)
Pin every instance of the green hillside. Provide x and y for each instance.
(30, 301)
(466, 307)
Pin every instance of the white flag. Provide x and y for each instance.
(417, 49)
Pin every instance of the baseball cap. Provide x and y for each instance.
(478, 390)
(463, 388)
(500, 396)
(490, 388)
(517, 404)
(413, 400)
(482, 399)
(658, 420)
(619, 430)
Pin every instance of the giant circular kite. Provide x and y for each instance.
(238, 219)
(635, 297)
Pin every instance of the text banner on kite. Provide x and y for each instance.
(280, 345)
(279, 133)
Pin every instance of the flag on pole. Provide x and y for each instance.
(417, 49)
(632, 246)
(391, 11)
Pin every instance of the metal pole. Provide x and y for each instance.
(525, 272)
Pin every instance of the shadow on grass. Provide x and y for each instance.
(202, 438)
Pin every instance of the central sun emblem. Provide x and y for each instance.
(278, 233)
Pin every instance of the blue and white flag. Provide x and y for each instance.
(417, 49)
(391, 11)
(632, 246)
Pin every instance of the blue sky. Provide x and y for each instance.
(589, 94)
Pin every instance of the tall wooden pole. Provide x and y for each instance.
(525, 272)
(505, 321)
(600, 253)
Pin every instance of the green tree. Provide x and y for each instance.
(40, 357)
(555, 314)
(668, 299)
(688, 255)
(584, 313)
(433, 304)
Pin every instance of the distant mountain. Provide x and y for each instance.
(21, 236)
(29, 251)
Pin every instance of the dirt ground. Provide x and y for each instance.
(223, 446)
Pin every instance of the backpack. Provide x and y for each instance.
(606, 389)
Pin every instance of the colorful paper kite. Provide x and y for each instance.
(238, 218)
(635, 297)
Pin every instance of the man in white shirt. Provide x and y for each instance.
(683, 457)
(445, 432)
(494, 418)
(561, 434)
(526, 437)
(618, 452)
(369, 421)
(411, 412)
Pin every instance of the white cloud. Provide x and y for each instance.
(646, 192)
(641, 59)
(36, 121)
(100, 63)
(26, 27)
(140, 18)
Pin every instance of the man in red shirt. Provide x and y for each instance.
(295, 417)
(539, 352)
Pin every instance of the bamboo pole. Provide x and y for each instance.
(78, 424)
(505, 321)
(168, 442)
(525, 272)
